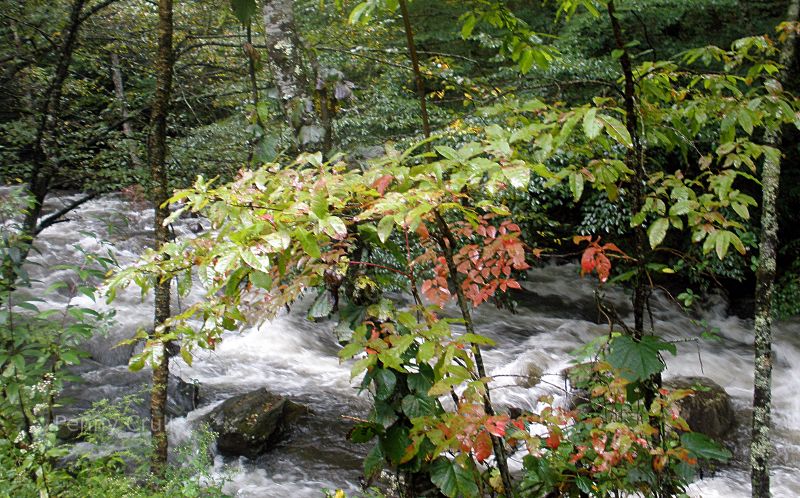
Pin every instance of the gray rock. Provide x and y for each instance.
(251, 424)
(531, 375)
(709, 410)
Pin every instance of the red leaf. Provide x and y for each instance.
(496, 425)
(603, 266)
(513, 284)
(482, 446)
(587, 261)
(382, 183)
(554, 440)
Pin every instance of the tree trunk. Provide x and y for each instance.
(412, 53)
(293, 77)
(127, 130)
(760, 447)
(634, 159)
(252, 59)
(160, 193)
(48, 115)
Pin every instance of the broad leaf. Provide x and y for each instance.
(701, 446)
(452, 479)
(418, 405)
(617, 130)
(591, 126)
(244, 10)
(385, 381)
(657, 231)
(638, 360)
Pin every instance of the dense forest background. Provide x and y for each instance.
(93, 103)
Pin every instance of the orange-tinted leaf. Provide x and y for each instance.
(382, 183)
(553, 441)
(482, 446)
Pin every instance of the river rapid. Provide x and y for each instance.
(298, 358)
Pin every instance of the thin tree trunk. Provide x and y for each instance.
(127, 129)
(760, 446)
(412, 53)
(252, 59)
(634, 159)
(292, 75)
(160, 193)
(48, 115)
(447, 243)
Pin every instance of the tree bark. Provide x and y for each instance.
(634, 159)
(412, 53)
(252, 59)
(48, 115)
(293, 77)
(760, 446)
(160, 194)
(127, 129)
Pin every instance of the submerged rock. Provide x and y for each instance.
(250, 424)
(530, 376)
(709, 410)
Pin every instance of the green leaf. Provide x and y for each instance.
(452, 479)
(746, 121)
(260, 262)
(448, 152)
(518, 176)
(70, 357)
(337, 225)
(478, 339)
(469, 24)
(426, 351)
(526, 60)
(395, 443)
(322, 307)
(701, 446)
(721, 243)
(260, 279)
(373, 463)
(360, 13)
(617, 130)
(680, 208)
(591, 126)
(351, 350)
(638, 360)
(244, 10)
(363, 432)
(308, 242)
(418, 405)
(419, 383)
(385, 414)
(385, 227)
(657, 231)
(576, 185)
(187, 356)
(385, 381)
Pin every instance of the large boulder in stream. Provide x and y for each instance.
(251, 423)
(709, 410)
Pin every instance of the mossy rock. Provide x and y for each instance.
(250, 424)
(709, 410)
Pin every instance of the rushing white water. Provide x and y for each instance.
(298, 358)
